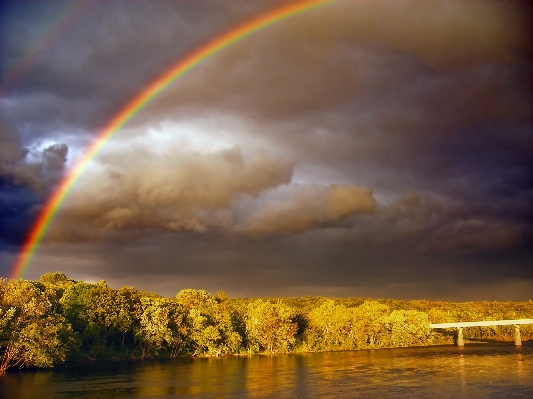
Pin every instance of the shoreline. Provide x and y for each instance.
(81, 360)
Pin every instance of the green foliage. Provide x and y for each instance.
(91, 310)
(44, 322)
(210, 323)
(128, 310)
(31, 334)
(159, 325)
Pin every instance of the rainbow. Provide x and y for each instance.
(175, 72)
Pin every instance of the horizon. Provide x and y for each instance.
(214, 293)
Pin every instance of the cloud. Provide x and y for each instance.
(429, 105)
(13, 167)
(174, 191)
(39, 175)
(142, 190)
(308, 208)
(26, 178)
(384, 96)
(78, 79)
(315, 263)
(438, 225)
(349, 50)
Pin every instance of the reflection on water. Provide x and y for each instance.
(461, 358)
(477, 371)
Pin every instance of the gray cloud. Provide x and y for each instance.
(26, 178)
(94, 57)
(317, 263)
(426, 105)
(439, 225)
(139, 191)
(310, 207)
(176, 191)
(39, 175)
(352, 50)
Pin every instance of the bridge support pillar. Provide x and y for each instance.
(460, 341)
(517, 338)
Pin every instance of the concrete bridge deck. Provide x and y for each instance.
(485, 323)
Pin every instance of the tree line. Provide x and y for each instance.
(45, 322)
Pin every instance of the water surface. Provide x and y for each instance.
(477, 371)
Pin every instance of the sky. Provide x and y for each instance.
(368, 149)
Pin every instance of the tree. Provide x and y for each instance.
(408, 327)
(270, 327)
(32, 334)
(221, 297)
(370, 324)
(330, 327)
(209, 320)
(91, 310)
(154, 332)
(197, 299)
(55, 285)
(128, 308)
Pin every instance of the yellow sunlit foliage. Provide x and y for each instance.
(31, 334)
(269, 327)
(45, 322)
(331, 327)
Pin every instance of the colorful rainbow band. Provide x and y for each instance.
(136, 104)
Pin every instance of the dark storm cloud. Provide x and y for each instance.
(24, 185)
(398, 137)
(315, 264)
(105, 55)
(357, 51)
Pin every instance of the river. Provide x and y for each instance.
(477, 371)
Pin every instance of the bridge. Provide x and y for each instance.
(461, 325)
